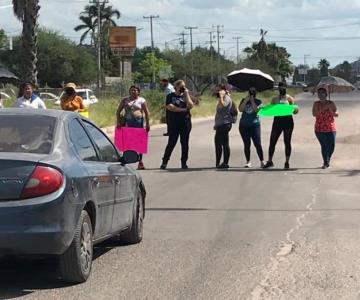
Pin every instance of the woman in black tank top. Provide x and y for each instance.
(280, 125)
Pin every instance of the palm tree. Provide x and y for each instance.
(324, 67)
(89, 18)
(27, 12)
(89, 27)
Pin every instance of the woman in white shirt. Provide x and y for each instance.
(29, 99)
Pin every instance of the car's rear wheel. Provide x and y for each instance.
(135, 233)
(76, 262)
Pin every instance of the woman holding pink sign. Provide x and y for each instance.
(135, 113)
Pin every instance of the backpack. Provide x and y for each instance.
(233, 112)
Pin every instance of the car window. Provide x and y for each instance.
(82, 94)
(106, 148)
(26, 134)
(81, 141)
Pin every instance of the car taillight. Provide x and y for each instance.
(43, 181)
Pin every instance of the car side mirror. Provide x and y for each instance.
(129, 157)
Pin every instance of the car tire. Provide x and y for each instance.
(76, 262)
(135, 234)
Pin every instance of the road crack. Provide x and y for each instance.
(286, 248)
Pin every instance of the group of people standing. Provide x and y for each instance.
(178, 106)
(250, 127)
(133, 111)
(323, 110)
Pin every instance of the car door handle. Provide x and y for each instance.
(95, 182)
(117, 179)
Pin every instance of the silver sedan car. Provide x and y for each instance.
(63, 188)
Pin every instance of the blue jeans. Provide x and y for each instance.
(327, 142)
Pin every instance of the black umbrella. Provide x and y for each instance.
(8, 77)
(245, 78)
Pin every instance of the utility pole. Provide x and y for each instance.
(305, 69)
(190, 28)
(237, 38)
(151, 17)
(183, 43)
(211, 42)
(218, 50)
(98, 4)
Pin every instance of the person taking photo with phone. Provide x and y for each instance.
(178, 106)
(249, 126)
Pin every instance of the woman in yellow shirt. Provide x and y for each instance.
(70, 100)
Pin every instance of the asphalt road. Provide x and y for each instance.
(236, 234)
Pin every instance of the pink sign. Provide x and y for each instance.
(129, 138)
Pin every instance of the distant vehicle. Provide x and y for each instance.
(299, 84)
(48, 96)
(87, 95)
(64, 187)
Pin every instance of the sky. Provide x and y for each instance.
(308, 29)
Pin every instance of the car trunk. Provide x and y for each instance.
(13, 177)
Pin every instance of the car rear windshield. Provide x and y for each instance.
(26, 134)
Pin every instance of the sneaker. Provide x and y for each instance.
(163, 166)
(262, 165)
(325, 166)
(248, 165)
(286, 166)
(184, 166)
(269, 164)
(141, 166)
(224, 166)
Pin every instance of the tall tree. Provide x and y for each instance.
(89, 19)
(27, 11)
(88, 24)
(269, 57)
(344, 70)
(324, 67)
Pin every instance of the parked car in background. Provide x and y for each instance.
(48, 96)
(87, 95)
(63, 188)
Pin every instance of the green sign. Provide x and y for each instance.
(277, 110)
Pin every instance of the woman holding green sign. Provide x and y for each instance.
(249, 126)
(283, 124)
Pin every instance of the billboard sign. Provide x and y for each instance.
(121, 37)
